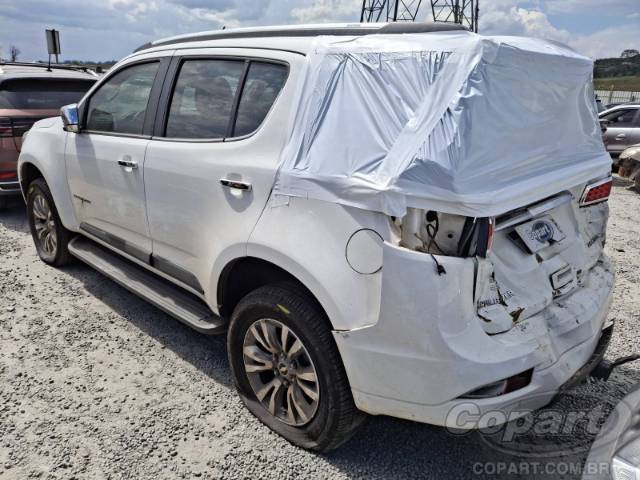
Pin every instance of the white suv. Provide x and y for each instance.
(309, 191)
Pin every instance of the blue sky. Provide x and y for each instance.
(110, 29)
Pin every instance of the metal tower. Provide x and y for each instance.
(464, 12)
(389, 10)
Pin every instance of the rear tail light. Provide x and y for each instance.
(6, 129)
(5, 176)
(596, 192)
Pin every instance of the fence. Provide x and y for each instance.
(617, 96)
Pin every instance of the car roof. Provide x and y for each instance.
(293, 38)
(37, 70)
(621, 106)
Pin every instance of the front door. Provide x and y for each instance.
(210, 169)
(105, 161)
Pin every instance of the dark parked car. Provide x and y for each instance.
(30, 92)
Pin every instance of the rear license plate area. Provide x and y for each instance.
(539, 233)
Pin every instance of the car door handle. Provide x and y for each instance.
(128, 164)
(621, 136)
(235, 184)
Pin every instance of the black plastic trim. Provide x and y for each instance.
(117, 242)
(176, 272)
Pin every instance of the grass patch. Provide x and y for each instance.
(629, 84)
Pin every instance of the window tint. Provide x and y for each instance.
(43, 94)
(621, 118)
(264, 82)
(120, 104)
(203, 98)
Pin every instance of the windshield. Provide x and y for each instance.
(26, 94)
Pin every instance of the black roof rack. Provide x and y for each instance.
(63, 66)
(390, 28)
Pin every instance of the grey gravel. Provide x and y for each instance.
(97, 384)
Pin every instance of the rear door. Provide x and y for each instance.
(210, 167)
(623, 128)
(105, 160)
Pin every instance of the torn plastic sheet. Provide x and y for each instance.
(449, 121)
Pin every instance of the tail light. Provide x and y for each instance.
(6, 129)
(6, 176)
(596, 192)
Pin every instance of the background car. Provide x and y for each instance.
(629, 164)
(623, 127)
(30, 92)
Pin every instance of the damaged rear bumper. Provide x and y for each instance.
(428, 348)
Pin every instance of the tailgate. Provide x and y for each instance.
(540, 254)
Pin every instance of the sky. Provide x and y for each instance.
(111, 29)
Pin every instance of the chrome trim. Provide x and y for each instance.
(590, 186)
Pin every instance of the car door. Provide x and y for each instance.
(623, 129)
(210, 167)
(105, 160)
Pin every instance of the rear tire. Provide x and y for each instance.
(311, 402)
(50, 237)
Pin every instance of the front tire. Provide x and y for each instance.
(287, 368)
(49, 235)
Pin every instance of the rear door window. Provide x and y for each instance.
(203, 99)
(41, 94)
(621, 118)
(262, 86)
(120, 104)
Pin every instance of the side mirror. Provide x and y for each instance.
(70, 118)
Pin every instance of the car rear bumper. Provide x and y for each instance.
(428, 348)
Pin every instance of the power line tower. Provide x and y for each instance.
(463, 12)
(389, 10)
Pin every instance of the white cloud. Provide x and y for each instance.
(609, 42)
(323, 11)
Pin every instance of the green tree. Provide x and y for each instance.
(629, 53)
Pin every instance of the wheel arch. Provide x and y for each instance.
(28, 173)
(242, 275)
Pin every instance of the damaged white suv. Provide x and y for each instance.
(385, 218)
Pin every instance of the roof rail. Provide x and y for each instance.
(307, 31)
(60, 66)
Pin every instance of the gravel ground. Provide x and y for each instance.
(97, 384)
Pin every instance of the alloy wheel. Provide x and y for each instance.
(281, 372)
(44, 224)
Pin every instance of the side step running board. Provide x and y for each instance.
(156, 290)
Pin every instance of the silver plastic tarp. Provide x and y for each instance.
(451, 121)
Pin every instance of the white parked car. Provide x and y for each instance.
(384, 218)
